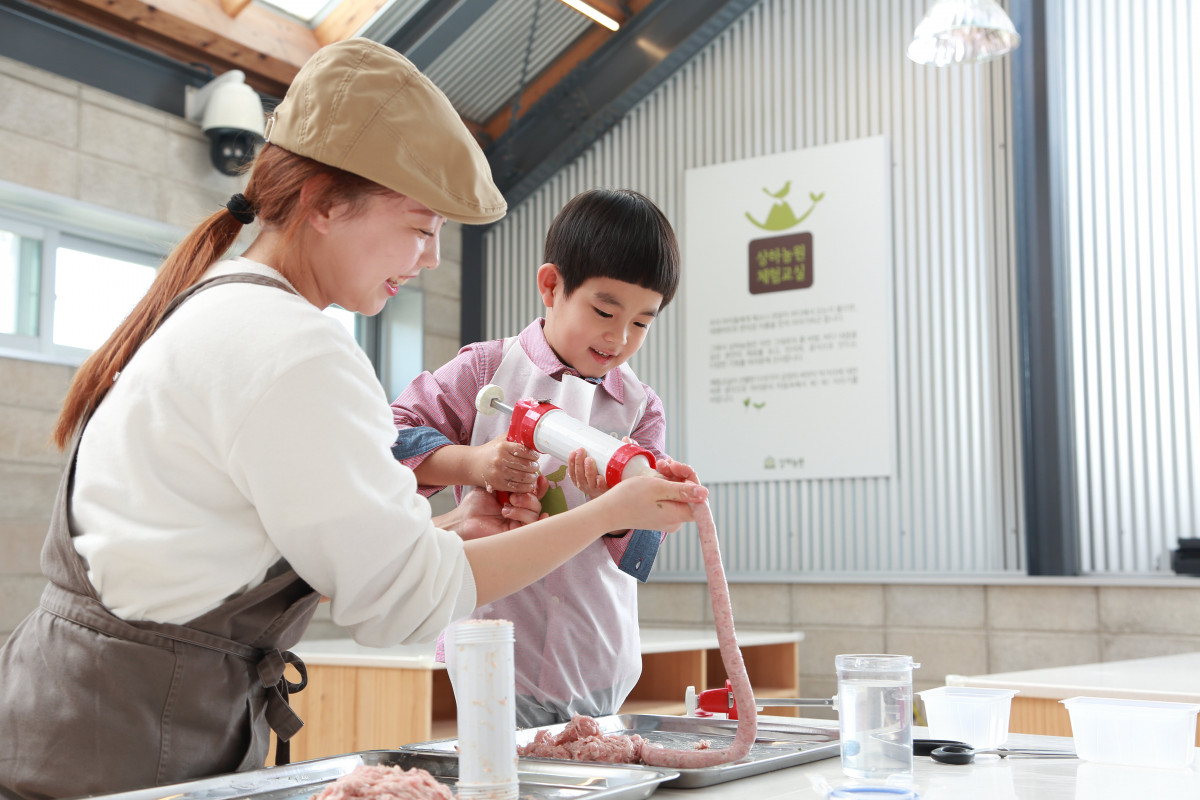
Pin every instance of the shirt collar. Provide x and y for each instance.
(533, 340)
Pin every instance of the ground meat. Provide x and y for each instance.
(582, 740)
(385, 783)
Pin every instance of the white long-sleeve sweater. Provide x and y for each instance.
(251, 427)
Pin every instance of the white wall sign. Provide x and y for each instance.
(787, 283)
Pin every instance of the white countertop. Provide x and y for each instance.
(989, 778)
(1168, 678)
(673, 640)
(347, 653)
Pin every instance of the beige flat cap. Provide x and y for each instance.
(360, 106)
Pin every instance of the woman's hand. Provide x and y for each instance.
(481, 514)
(649, 503)
(504, 466)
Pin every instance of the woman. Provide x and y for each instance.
(232, 465)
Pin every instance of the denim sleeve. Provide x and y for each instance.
(412, 442)
(640, 553)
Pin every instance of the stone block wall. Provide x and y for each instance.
(30, 469)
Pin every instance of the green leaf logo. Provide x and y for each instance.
(781, 216)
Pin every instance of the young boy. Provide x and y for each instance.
(612, 264)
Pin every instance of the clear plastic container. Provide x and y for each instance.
(874, 703)
(978, 717)
(1142, 733)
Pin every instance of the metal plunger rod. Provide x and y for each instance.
(500, 405)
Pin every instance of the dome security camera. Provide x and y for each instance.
(231, 115)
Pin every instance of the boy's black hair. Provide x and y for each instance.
(618, 234)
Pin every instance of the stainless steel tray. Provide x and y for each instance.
(776, 746)
(539, 779)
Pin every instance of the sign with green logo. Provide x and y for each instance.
(788, 288)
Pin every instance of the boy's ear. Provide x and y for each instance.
(548, 279)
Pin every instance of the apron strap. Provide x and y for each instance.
(280, 716)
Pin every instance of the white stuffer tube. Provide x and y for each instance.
(546, 428)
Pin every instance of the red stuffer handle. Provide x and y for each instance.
(718, 701)
(525, 416)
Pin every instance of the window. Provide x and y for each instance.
(307, 11)
(20, 278)
(400, 329)
(394, 339)
(69, 273)
(95, 287)
(64, 288)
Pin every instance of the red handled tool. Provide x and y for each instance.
(546, 428)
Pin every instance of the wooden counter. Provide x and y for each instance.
(363, 698)
(1036, 709)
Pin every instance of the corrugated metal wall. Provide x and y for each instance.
(794, 74)
(1130, 88)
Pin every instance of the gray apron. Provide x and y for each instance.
(90, 703)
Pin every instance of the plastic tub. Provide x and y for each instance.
(978, 717)
(1142, 733)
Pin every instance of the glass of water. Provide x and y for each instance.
(875, 711)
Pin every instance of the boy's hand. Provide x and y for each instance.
(504, 466)
(676, 470)
(582, 470)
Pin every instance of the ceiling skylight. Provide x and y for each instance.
(307, 11)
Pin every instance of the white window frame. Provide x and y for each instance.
(62, 222)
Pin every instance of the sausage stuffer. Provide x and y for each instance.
(546, 428)
(721, 701)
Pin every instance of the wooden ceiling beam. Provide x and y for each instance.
(269, 48)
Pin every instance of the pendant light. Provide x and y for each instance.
(963, 32)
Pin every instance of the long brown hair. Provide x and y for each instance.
(274, 190)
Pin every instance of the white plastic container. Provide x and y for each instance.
(978, 717)
(1142, 733)
(484, 690)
